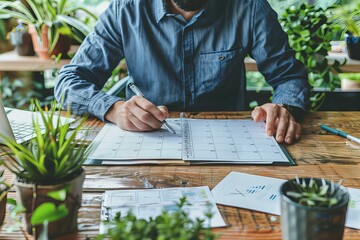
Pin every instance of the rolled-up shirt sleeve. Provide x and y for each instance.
(80, 82)
(276, 60)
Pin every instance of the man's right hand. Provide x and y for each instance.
(137, 114)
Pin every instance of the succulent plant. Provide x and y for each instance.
(315, 193)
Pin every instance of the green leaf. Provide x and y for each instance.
(11, 201)
(48, 212)
(58, 195)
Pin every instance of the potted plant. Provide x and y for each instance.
(307, 27)
(50, 163)
(50, 23)
(4, 187)
(349, 22)
(313, 209)
(350, 81)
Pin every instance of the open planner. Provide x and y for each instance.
(197, 141)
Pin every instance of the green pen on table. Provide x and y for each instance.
(340, 133)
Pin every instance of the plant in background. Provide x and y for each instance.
(176, 225)
(348, 20)
(17, 93)
(58, 16)
(307, 27)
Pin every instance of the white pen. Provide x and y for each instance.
(137, 91)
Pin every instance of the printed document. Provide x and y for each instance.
(152, 202)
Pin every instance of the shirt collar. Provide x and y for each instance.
(211, 10)
(160, 9)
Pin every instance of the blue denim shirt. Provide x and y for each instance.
(194, 65)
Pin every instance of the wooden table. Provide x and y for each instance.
(318, 154)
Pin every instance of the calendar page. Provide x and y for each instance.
(197, 141)
(113, 143)
(231, 141)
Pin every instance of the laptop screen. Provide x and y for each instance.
(5, 128)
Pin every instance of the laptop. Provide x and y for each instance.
(17, 124)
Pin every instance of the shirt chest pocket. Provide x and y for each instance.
(217, 68)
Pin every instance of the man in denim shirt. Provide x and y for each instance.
(187, 55)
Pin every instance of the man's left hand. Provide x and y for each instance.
(278, 121)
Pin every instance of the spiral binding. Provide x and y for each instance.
(187, 143)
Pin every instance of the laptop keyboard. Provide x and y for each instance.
(23, 130)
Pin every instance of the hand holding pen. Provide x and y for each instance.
(137, 114)
(137, 91)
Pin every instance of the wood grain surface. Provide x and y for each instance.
(317, 154)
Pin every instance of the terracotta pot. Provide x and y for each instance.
(3, 197)
(26, 191)
(41, 44)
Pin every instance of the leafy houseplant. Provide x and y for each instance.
(349, 22)
(307, 27)
(18, 93)
(4, 187)
(51, 162)
(49, 21)
(176, 225)
(313, 209)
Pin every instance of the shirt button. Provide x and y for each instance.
(221, 58)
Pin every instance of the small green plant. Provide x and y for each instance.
(17, 93)
(312, 194)
(348, 20)
(307, 27)
(49, 158)
(176, 225)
